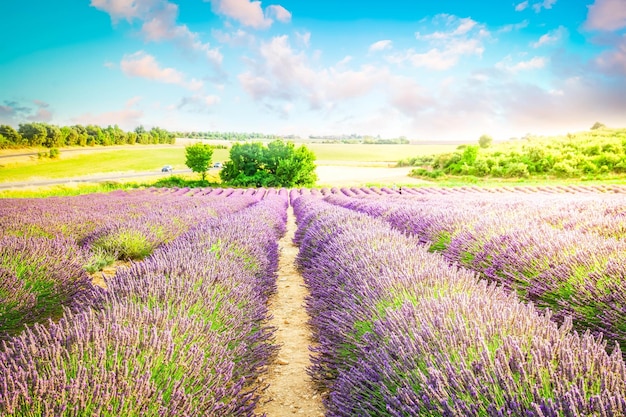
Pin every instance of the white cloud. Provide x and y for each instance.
(281, 73)
(256, 86)
(344, 61)
(279, 13)
(380, 45)
(143, 65)
(199, 103)
(455, 26)
(606, 15)
(42, 114)
(13, 112)
(614, 62)
(513, 27)
(461, 37)
(304, 38)
(551, 37)
(440, 59)
(121, 9)
(545, 4)
(521, 6)
(133, 101)
(406, 95)
(249, 13)
(237, 38)
(158, 18)
(534, 63)
(347, 84)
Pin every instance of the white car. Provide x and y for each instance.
(217, 165)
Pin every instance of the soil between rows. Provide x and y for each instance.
(290, 389)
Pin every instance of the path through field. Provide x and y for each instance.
(290, 390)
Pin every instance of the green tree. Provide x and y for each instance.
(279, 164)
(35, 134)
(54, 136)
(470, 153)
(198, 158)
(598, 125)
(485, 141)
(11, 135)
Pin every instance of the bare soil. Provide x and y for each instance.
(98, 278)
(290, 389)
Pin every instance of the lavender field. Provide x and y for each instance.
(422, 301)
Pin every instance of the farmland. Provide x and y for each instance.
(422, 301)
(91, 161)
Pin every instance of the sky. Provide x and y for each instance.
(425, 70)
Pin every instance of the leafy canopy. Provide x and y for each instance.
(279, 164)
(198, 158)
(485, 141)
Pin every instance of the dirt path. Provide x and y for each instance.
(290, 389)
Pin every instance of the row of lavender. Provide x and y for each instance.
(563, 252)
(400, 332)
(525, 189)
(48, 246)
(181, 333)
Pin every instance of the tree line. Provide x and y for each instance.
(232, 136)
(38, 134)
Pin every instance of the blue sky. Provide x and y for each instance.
(442, 70)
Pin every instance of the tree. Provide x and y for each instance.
(279, 164)
(598, 125)
(34, 134)
(485, 141)
(198, 158)
(11, 135)
(470, 153)
(54, 137)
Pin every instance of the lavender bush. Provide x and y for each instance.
(44, 269)
(38, 278)
(181, 333)
(531, 244)
(402, 332)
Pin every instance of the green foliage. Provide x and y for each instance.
(279, 164)
(516, 170)
(9, 137)
(198, 158)
(51, 136)
(599, 152)
(123, 245)
(470, 153)
(485, 141)
(99, 259)
(598, 125)
(35, 134)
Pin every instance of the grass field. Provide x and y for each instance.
(328, 153)
(103, 161)
(145, 158)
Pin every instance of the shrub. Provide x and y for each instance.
(516, 170)
(563, 169)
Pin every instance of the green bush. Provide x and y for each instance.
(563, 169)
(596, 152)
(516, 170)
